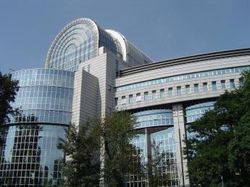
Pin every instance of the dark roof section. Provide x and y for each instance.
(184, 60)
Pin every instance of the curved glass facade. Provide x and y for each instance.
(196, 111)
(154, 118)
(45, 95)
(77, 42)
(30, 156)
(156, 136)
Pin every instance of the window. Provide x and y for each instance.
(205, 88)
(116, 101)
(187, 89)
(130, 99)
(178, 91)
(232, 84)
(214, 86)
(223, 84)
(154, 94)
(123, 101)
(138, 97)
(162, 93)
(146, 96)
(196, 88)
(170, 91)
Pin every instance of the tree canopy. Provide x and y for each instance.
(8, 90)
(83, 149)
(218, 147)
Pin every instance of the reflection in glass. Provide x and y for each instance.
(30, 156)
(155, 140)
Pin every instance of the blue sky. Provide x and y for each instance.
(163, 29)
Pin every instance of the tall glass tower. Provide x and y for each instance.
(30, 156)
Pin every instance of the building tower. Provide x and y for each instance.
(76, 84)
(30, 156)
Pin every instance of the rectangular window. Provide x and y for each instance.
(196, 88)
(214, 86)
(187, 89)
(205, 88)
(232, 84)
(130, 99)
(178, 90)
(162, 92)
(154, 94)
(138, 97)
(170, 91)
(146, 96)
(223, 84)
(123, 101)
(116, 101)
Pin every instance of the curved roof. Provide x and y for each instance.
(81, 39)
(122, 42)
(77, 42)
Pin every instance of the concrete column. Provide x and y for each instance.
(148, 156)
(180, 134)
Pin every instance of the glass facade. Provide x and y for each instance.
(78, 42)
(30, 156)
(154, 118)
(196, 111)
(45, 95)
(156, 139)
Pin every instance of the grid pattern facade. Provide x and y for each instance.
(30, 156)
(79, 41)
(156, 144)
(45, 95)
(196, 111)
(153, 118)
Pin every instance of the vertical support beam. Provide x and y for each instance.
(148, 156)
(180, 134)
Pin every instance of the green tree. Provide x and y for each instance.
(218, 147)
(8, 90)
(121, 157)
(82, 151)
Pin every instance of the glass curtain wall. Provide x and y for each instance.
(30, 156)
(157, 148)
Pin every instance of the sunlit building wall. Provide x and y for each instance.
(30, 155)
(182, 89)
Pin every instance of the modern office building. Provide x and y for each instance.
(91, 72)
